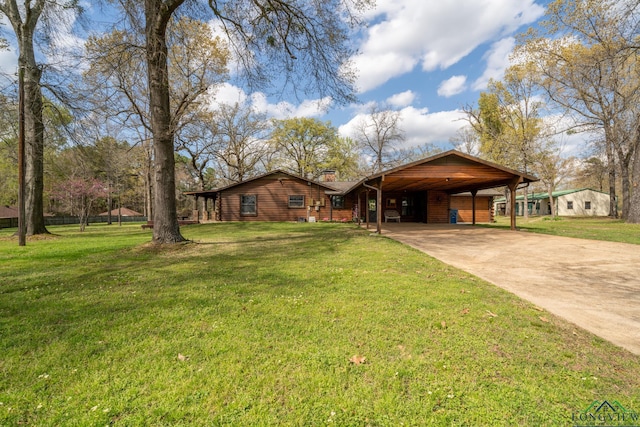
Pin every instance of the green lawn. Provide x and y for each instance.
(613, 230)
(258, 324)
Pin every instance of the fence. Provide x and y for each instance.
(65, 220)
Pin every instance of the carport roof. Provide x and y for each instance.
(451, 171)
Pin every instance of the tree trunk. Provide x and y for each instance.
(148, 178)
(611, 166)
(33, 124)
(624, 176)
(507, 198)
(634, 204)
(165, 228)
(552, 204)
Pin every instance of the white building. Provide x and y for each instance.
(579, 202)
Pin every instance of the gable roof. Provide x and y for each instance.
(329, 186)
(123, 211)
(8, 212)
(450, 171)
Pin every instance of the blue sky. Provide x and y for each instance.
(423, 58)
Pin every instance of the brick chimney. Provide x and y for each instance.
(329, 175)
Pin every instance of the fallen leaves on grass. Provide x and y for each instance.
(357, 359)
(182, 357)
(465, 311)
(491, 314)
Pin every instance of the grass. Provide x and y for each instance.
(613, 230)
(258, 324)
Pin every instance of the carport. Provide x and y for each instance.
(438, 177)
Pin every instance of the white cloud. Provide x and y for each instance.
(435, 33)
(402, 99)
(420, 126)
(66, 48)
(376, 68)
(497, 58)
(8, 62)
(229, 94)
(452, 86)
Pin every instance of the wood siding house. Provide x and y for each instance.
(275, 196)
(422, 191)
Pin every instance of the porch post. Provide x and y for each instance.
(331, 207)
(473, 206)
(196, 214)
(205, 214)
(358, 211)
(366, 208)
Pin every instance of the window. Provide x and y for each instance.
(337, 202)
(587, 205)
(570, 205)
(296, 201)
(248, 204)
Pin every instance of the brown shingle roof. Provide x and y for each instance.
(8, 212)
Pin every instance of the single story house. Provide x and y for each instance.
(575, 202)
(421, 191)
(8, 212)
(8, 216)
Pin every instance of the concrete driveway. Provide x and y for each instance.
(593, 284)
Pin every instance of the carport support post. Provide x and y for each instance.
(513, 185)
(379, 207)
(473, 206)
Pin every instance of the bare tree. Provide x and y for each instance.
(241, 141)
(305, 44)
(466, 140)
(379, 134)
(196, 60)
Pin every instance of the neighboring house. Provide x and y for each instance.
(8, 212)
(576, 202)
(122, 211)
(421, 191)
(8, 217)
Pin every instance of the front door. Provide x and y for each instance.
(420, 206)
